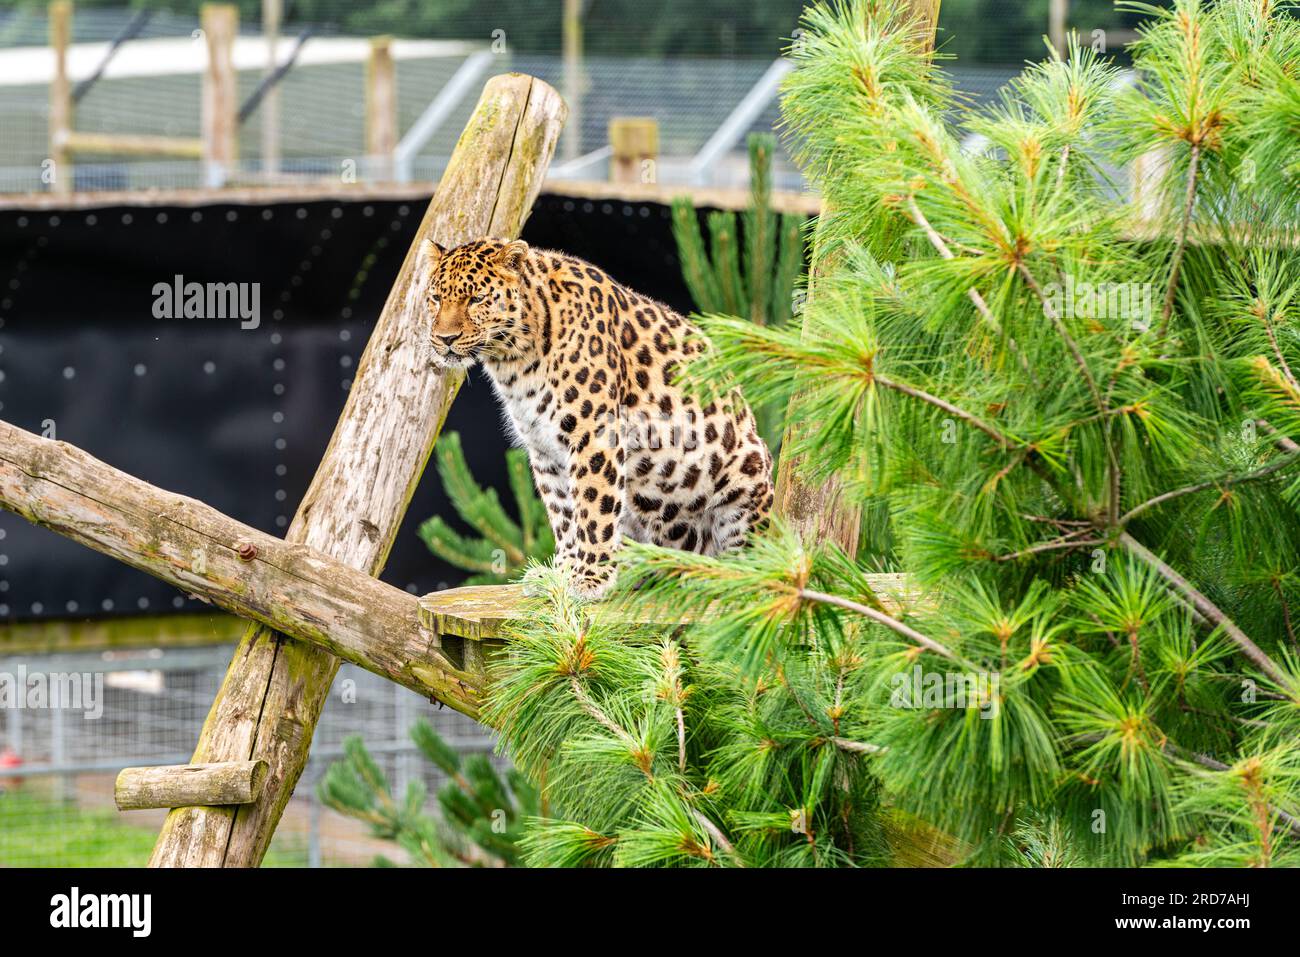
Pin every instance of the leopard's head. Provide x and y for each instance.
(473, 298)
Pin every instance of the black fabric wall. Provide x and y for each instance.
(235, 417)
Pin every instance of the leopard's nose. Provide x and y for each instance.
(448, 340)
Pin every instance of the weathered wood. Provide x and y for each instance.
(273, 694)
(381, 109)
(188, 785)
(220, 96)
(284, 585)
(481, 612)
(60, 96)
(635, 142)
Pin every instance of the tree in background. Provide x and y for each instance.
(505, 546)
(1083, 416)
(747, 270)
(481, 813)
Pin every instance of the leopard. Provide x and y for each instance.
(588, 372)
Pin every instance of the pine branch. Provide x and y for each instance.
(1180, 245)
(1210, 611)
(1223, 482)
(881, 618)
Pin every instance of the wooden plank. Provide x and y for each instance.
(275, 689)
(283, 585)
(185, 785)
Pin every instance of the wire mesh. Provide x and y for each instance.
(58, 764)
(687, 67)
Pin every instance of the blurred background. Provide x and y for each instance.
(346, 114)
(705, 70)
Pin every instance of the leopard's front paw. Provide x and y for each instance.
(591, 584)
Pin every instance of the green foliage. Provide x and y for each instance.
(481, 814)
(505, 547)
(760, 282)
(664, 755)
(1083, 418)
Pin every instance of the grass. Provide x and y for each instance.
(37, 830)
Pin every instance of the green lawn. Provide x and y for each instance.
(38, 831)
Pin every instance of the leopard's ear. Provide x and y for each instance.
(433, 251)
(511, 256)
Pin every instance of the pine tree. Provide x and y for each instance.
(758, 282)
(505, 547)
(481, 817)
(1083, 418)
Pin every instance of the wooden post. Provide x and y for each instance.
(819, 512)
(270, 108)
(1057, 17)
(187, 785)
(381, 110)
(571, 41)
(273, 693)
(220, 22)
(635, 141)
(60, 97)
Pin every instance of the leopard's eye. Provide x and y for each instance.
(476, 299)
(434, 298)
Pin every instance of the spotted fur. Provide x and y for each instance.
(585, 368)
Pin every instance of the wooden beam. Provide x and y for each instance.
(132, 144)
(285, 586)
(275, 689)
(187, 785)
(220, 96)
(381, 110)
(60, 96)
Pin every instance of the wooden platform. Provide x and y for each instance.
(479, 612)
